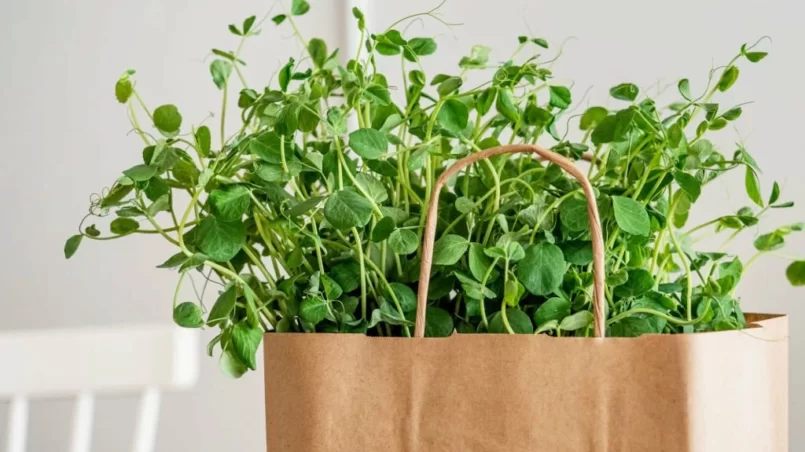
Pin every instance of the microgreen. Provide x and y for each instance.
(303, 224)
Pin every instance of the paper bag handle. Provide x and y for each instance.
(429, 234)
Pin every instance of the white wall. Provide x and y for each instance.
(64, 137)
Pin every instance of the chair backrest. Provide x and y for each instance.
(82, 363)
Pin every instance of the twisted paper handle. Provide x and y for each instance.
(599, 301)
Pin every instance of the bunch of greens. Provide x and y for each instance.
(305, 224)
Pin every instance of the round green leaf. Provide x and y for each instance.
(631, 216)
(405, 296)
(245, 341)
(140, 173)
(560, 97)
(453, 116)
(347, 209)
(631, 327)
(313, 310)
(403, 241)
(231, 366)
(518, 320)
(480, 263)
(220, 240)
(71, 245)
(796, 273)
(121, 226)
(592, 117)
(438, 323)
(167, 119)
(553, 309)
(449, 249)
(573, 214)
(230, 203)
(576, 321)
(624, 91)
(188, 315)
(299, 7)
(223, 306)
(123, 90)
(347, 275)
(369, 143)
(383, 229)
(639, 281)
(542, 269)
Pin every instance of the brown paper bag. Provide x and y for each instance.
(707, 392)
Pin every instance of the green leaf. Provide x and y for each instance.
(592, 117)
(554, 309)
(284, 77)
(369, 143)
(573, 214)
(332, 290)
(279, 18)
(560, 97)
(547, 326)
(167, 119)
(245, 341)
(248, 23)
(203, 140)
(540, 42)
(796, 273)
(754, 57)
(418, 47)
(625, 91)
(769, 242)
(403, 241)
(405, 296)
(752, 185)
(505, 106)
(372, 187)
(728, 78)
(299, 7)
(358, 14)
(631, 216)
(454, 116)
(122, 226)
(347, 275)
(230, 203)
(479, 264)
(318, 51)
(313, 310)
(684, 88)
(542, 269)
(188, 315)
(71, 245)
(577, 252)
(449, 85)
(689, 184)
(518, 320)
(383, 229)
(140, 173)
(223, 306)
(347, 209)
(631, 327)
(639, 282)
(775, 193)
(123, 90)
(449, 249)
(438, 323)
(220, 240)
(576, 321)
(220, 70)
(174, 261)
(604, 132)
(230, 365)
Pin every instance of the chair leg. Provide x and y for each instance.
(82, 422)
(147, 420)
(17, 424)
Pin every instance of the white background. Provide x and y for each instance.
(64, 136)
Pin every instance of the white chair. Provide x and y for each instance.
(83, 362)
